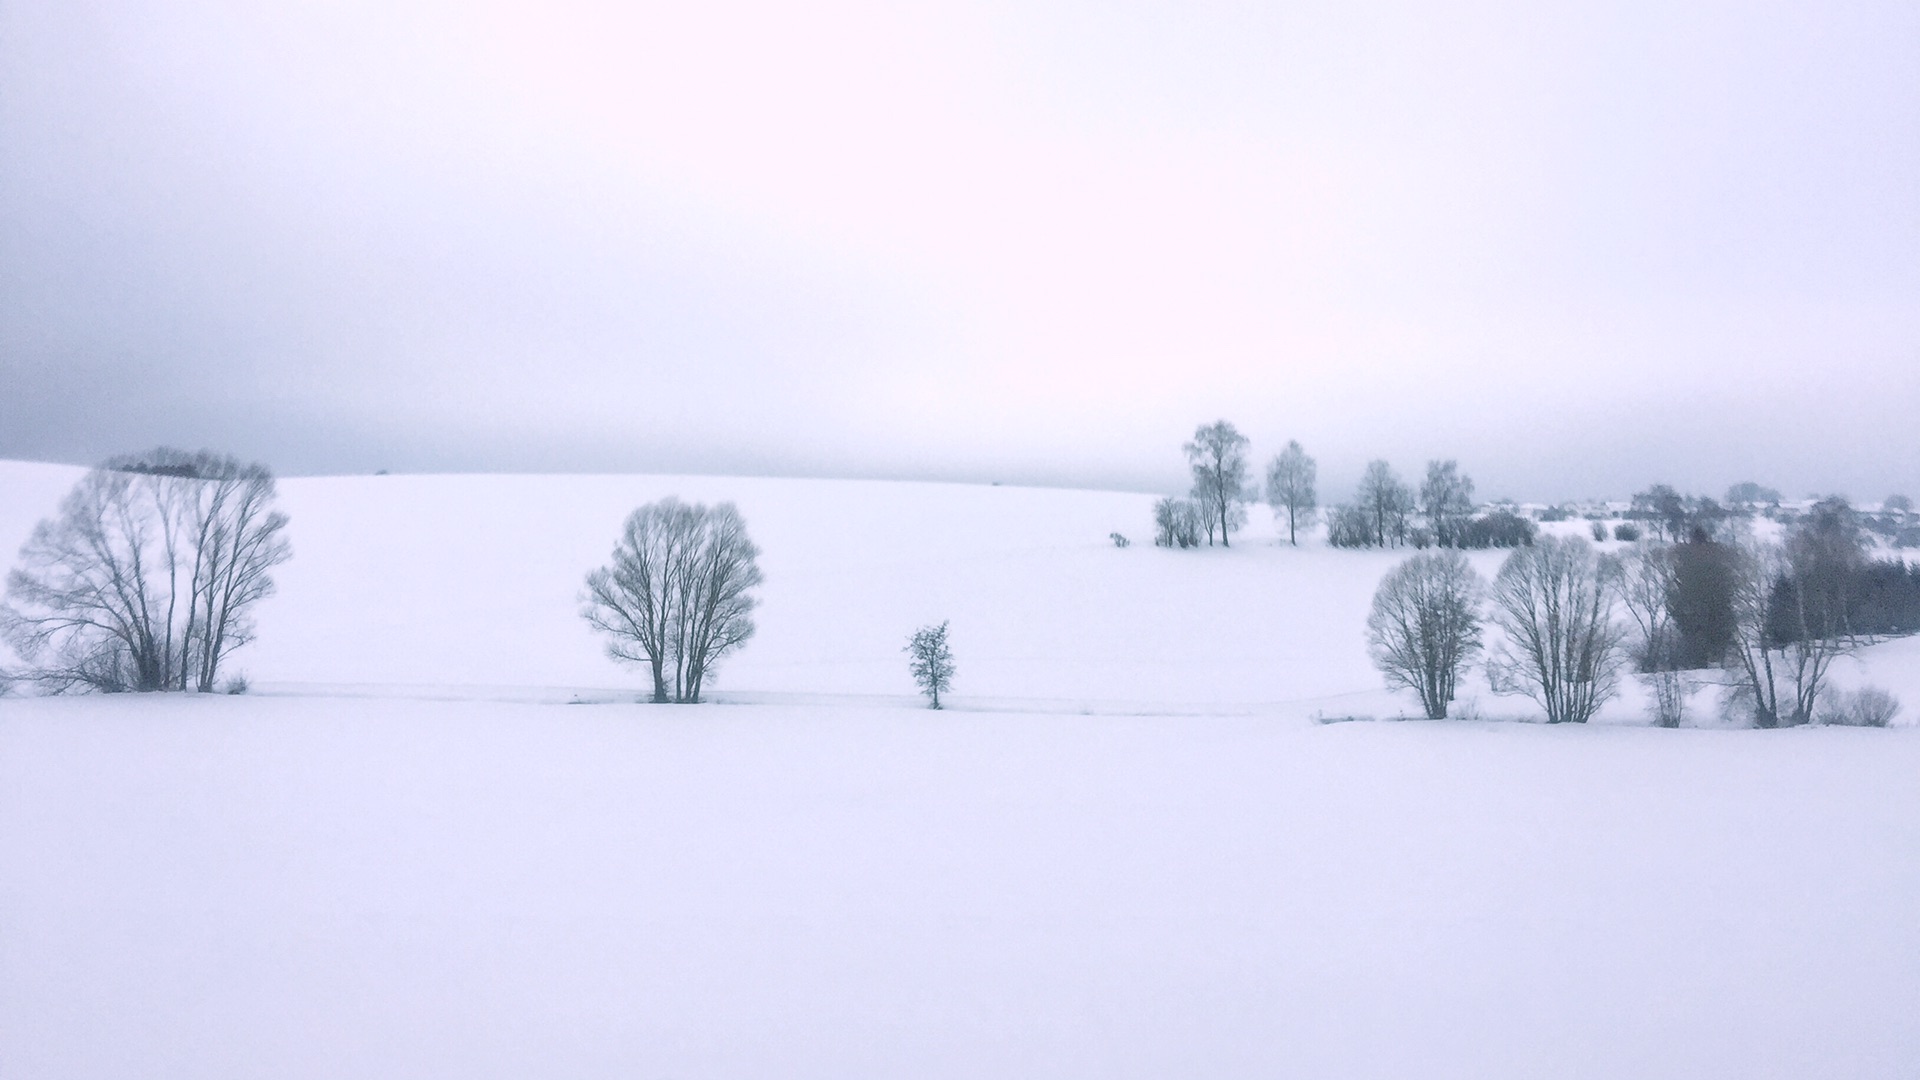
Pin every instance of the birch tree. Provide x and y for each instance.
(1386, 502)
(1218, 456)
(1290, 488)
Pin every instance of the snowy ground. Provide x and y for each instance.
(1127, 853)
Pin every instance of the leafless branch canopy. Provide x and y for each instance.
(1553, 603)
(677, 595)
(147, 577)
(1425, 626)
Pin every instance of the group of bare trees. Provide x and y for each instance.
(1711, 601)
(147, 577)
(1388, 512)
(1384, 512)
(1764, 621)
(1216, 504)
(1552, 603)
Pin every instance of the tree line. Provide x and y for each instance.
(1384, 512)
(147, 577)
(1704, 602)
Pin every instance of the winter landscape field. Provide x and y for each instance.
(441, 836)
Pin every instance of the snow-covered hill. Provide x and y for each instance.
(468, 586)
(406, 855)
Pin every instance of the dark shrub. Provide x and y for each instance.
(1499, 529)
(1350, 527)
(1705, 575)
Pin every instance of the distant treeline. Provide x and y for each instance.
(1703, 588)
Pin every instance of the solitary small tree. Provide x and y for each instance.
(1218, 455)
(1554, 603)
(1425, 626)
(677, 595)
(1290, 488)
(931, 661)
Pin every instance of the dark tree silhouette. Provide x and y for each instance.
(147, 578)
(930, 661)
(1425, 626)
(677, 595)
(1553, 602)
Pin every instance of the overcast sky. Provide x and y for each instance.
(1580, 249)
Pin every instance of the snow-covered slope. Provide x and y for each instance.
(315, 888)
(338, 876)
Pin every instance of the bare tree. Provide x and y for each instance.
(1756, 689)
(677, 595)
(1425, 626)
(1553, 603)
(1349, 527)
(1446, 497)
(1218, 455)
(1809, 609)
(147, 578)
(931, 661)
(1647, 584)
(1387, 503)
(1290, 488)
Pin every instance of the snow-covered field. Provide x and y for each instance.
(1126, 851)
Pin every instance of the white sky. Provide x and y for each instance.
(1581, 250)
